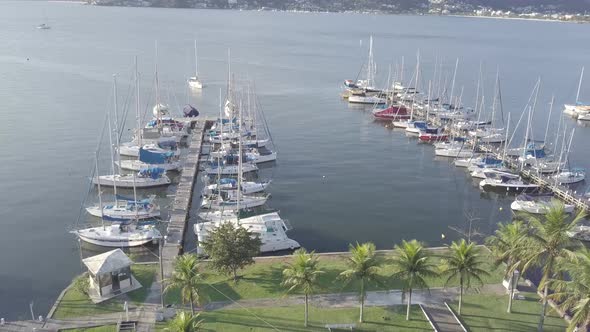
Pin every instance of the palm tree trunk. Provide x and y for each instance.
(543, 309)
(235, 271)
(305, 311)
(512, 285)
(362, 299)
(192, 305)
(409, 304)
(460, 294)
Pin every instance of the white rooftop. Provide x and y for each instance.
(107, 262)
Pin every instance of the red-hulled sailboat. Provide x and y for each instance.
(393, 112)
(433, 135)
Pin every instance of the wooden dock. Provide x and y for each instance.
(179, 213)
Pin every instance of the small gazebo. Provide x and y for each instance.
(110, 275)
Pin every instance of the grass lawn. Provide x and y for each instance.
(263, 280)
(484, 312)
(77, 304)
(106, 328)
(145, 274)
(291, 319)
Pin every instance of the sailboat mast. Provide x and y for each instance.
(196, 62)
(239, 161)
(111, 148)
(157, 88)
(221, 136)
(370, 63)
(117, 138)
(135, 199)
(580, 85)
(506, 143)
(100, 206)
(453, 83)
(137, 106)
(428, 103)
(549, 118)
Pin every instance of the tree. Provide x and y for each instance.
(185, 322)
(412, 265)
(82, 284)
(302, 275)
(508, 245)
(231, 248)
(573, 295)
(186, 277)
(549, 243)
(463, 264)
(362, 266)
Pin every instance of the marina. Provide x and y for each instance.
(339, 177)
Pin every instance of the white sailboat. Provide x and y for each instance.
(578, 108)
(536, 204)
(194, 81)
(248, 187)
(504, 181)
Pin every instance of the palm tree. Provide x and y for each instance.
(362, 266)
(549, 243)
(463, 264)
(185, 322)
(302, 274)
(574, 295)
(412, 265)
(508, 245)
(186, 277)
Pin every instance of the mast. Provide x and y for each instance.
(415, 85)
(370, 64)
(221, 136)
(506, 141)
(579, 85)
(453, 84)
(569, 146)
(196, 62)
(157, 89)
(99, 191)
(117, 137)
(137, 106)
(111, 136)
(428, 104)
(549, 118)
(239, 162)
(401, 72)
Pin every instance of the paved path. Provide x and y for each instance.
(442, 318)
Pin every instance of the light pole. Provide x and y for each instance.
(161, 242)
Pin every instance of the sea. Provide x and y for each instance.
(340, 177)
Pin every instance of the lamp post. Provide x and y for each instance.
(161, 242)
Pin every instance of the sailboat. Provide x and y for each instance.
(248, 187)
(504, 181)
(44, 25)
(536, 204)
(122, 232)
(194, 81)
(578, 108)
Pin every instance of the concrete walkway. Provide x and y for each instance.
(442, 318)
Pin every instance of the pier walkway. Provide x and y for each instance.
(179, 214)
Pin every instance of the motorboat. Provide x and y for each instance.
(270, 228)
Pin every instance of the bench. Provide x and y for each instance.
(340, 327)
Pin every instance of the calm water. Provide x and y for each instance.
(340, 177)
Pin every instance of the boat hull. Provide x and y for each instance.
(128, 181)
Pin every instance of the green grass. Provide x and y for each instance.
(77, 304)
(105, 328)
(145, 274)
(263, 280)
(291, 319)
(484, 312)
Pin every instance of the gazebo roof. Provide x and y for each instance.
(107, 262)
